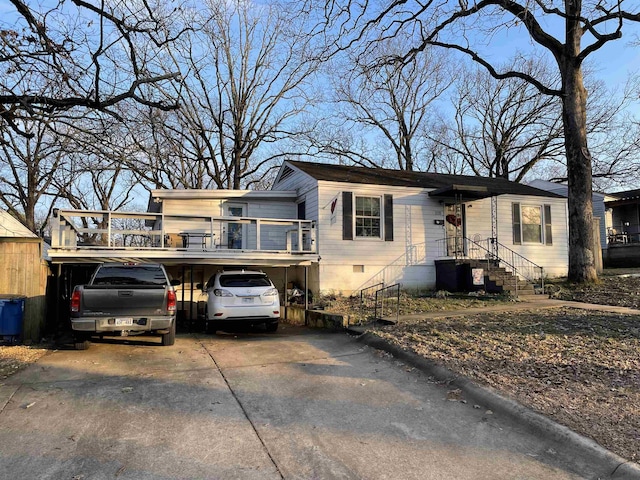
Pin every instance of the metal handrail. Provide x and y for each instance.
(366, 289)
(494, 253)
(381, 291)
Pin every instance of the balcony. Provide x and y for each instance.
(99, 235)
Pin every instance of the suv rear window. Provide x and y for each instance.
(123, 275)
(244, 280)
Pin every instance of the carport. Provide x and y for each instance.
(82, 239)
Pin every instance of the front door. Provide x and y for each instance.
(235, 231)
(453, 227)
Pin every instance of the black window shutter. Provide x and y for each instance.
(347, 216)
(548, 239)
(388, 218)
(517, 233)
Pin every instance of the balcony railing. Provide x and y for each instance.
(102, 229)
(623, 233)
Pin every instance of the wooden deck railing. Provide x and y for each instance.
(102, 229)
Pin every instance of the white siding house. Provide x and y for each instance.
(331, 229)
(418, 218)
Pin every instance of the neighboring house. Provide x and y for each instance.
(329, 229)
(24, 273)
(377, 225)
(623, 229)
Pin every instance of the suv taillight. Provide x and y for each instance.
(75, 300)
(171, 301)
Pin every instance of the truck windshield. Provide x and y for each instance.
(122, 275)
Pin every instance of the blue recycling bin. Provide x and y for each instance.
(11, 315)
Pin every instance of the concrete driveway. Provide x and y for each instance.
(298, 404)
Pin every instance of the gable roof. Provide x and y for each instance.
(561, 188)
(441, 184)
(11, 227)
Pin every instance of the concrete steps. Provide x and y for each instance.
(499, 280)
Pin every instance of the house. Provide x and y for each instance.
(623, 229)
(329, 229)
(389, 226)
(24, 274)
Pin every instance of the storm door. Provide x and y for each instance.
(454, 228)
(235, 230)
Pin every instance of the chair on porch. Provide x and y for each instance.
(613, 236)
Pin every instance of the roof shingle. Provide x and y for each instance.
(437, 181)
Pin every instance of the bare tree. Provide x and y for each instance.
(389, 105)
(95, 175)
(462, 26)
(503, 128)
(77, 54)
(247, 71)
(507, 128)
(169, 151)
(29, 169)
(97, 168)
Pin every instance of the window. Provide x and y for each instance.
(367, 216)
(244, 280)
(130, 275)
(531, 224)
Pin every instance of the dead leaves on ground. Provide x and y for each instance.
(580, 367)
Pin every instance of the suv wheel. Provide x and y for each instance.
(271, 326)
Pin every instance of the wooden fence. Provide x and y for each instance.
(24, 273)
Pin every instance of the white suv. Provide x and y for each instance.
(241, 297)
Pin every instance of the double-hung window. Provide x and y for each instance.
(367, 217)
(532, 224)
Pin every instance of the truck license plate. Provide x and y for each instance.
(124, 321)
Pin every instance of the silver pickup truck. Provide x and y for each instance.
(124, 299)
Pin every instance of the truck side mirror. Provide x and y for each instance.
(199, 286)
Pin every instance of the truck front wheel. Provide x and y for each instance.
(169, 339)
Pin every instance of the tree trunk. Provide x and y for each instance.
(581, 251)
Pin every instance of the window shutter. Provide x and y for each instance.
(347, 216)
(548, 239)
(388, 218)
(517, 232)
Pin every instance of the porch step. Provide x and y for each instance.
(502, 281)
